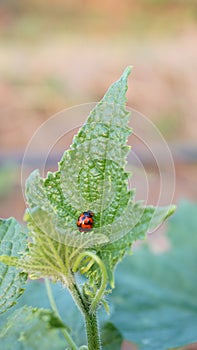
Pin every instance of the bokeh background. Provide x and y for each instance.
(57, 54)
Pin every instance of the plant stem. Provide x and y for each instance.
(55, 309)
(76, 294)
(51, 298)
(92, 331)
(101, 290)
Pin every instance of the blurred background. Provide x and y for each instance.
(54, 55)
(57, 54)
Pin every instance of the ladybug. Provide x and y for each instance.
(85, 221)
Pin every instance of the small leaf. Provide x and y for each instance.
(160, 214)
(31, 329)
(111, 337)
(12, 244)
(155, 300)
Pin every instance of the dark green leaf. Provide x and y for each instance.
(32, 329)
(12, 243)
(155, 302)
(111, 337)
(36, 296)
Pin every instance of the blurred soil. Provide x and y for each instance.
(39, 80)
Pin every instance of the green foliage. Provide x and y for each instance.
(12, 242)
(35, 297)
(154, 303)
(91, 176)
(31, 329)
(150, 218)
(156, 294)
(111, 337)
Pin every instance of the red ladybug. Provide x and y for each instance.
(85, 221)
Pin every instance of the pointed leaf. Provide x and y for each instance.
(91, 176)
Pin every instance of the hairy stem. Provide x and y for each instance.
(55, 309)
(101, 290)
(76, 294)
(92, 330)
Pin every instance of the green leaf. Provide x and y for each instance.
(92, 171)
(31, 328)
(111, 337)
(35, 297)
(91, 176)
(83, 181)
(12, 244)
(47, 256)
(155, 300)
(150, 218)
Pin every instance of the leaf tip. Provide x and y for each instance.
(128, 70)
(171, 210)
(126, 73)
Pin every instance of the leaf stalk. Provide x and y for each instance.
(65, 333)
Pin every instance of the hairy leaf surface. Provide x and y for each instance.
(91, 176)
(12, 243)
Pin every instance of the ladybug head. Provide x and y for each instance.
(88, 213)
